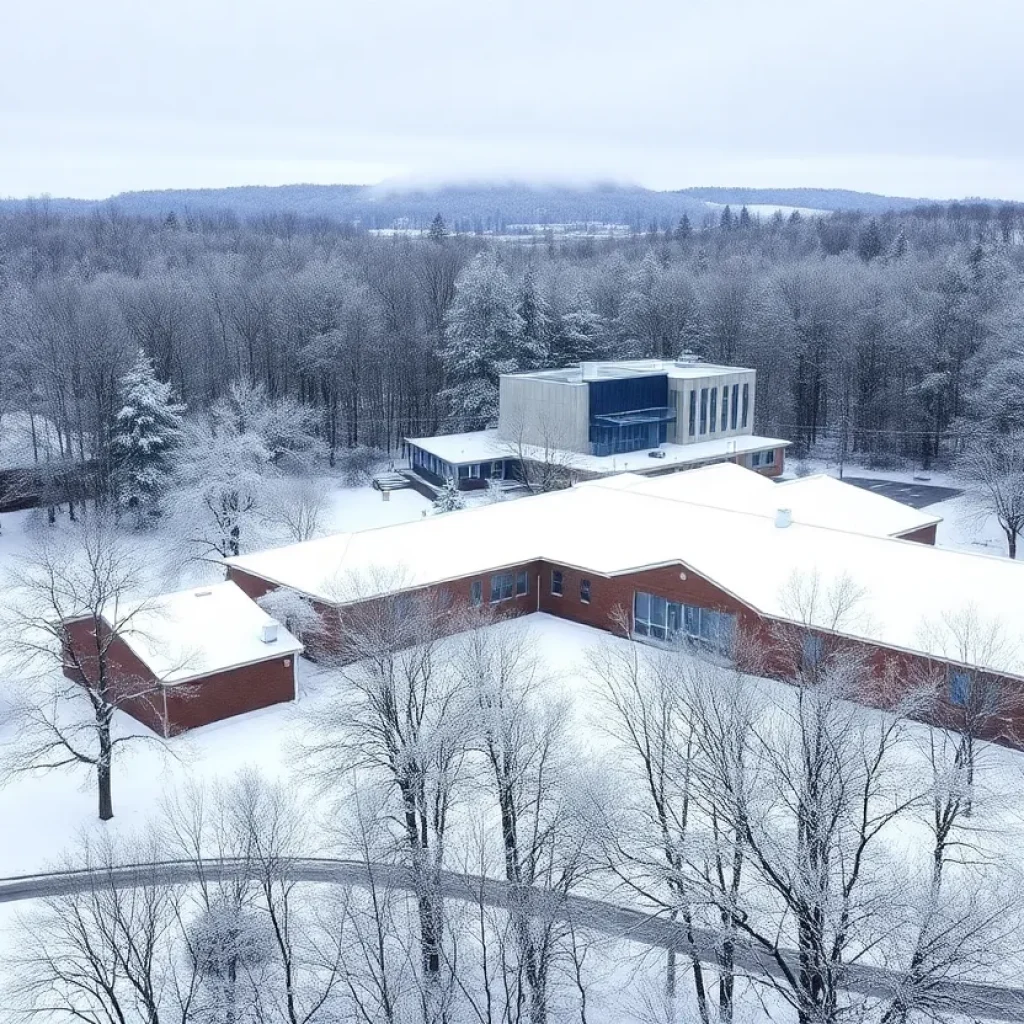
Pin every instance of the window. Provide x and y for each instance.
(959, 687)
(585, 591)
(522, 584)
(556, 582)
(476, 593)
(725, 408)
(735, 405)
(498, 470)
(813, 650)
(713, 419)
(463, 472)
(762, 459)
(746, 405)
(693, 413)
(703, 410)
(502, 587)
(474, 471)
(656, 617)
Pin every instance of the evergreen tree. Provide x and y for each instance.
(684, 229)
(536, 321)
(726, 222)
(745, 220)
(484, 339)
(869, 242)
(438, 230)
(147, 429)
(449, 498)
(578, 334)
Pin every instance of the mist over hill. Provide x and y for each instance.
(472, 208)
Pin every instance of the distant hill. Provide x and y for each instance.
(487, 208)
(830, 199)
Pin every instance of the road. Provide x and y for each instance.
(988, 1002)
(917, 495)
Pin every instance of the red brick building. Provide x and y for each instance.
(703, 555)
(187, 659)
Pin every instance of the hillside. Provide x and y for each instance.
(487, 208)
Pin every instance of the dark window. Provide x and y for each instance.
(463, 472)
(502, 585)
(746, 405)
(703, 410)
(735, 404)
(959, 687)
(693, 413)
(813, 650)
(556, 582)
(713, 418)
(655, 617)
(585, 591)
(476, 593)
(522, 584)
(725, 408)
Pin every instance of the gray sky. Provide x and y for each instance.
(910, 97)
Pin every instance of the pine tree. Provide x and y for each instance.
(536, 323)
(869, 242)
(745, 220)
(147, 429)
(684, 229)
(726, 220)
(484, 340)
(578, 334)
(438, 230)
(449, 498)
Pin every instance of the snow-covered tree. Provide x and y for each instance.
(578, 334)
(147, 429)
(994, 466)
(449, 498)
(484, 339)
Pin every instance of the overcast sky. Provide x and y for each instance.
(909, 97)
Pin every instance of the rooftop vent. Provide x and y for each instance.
(203, 593)
(590, 371)
(687, 358)
(268, 633)
(783, 518)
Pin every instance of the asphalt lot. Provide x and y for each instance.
(914, 494)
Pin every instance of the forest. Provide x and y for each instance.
(891, 339)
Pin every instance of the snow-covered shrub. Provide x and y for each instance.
(228, 939)
(358, 464)
(449, 498)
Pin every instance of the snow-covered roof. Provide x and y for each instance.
(681, 369)
(818, 500)
(907, 591)
(194, 633)
(486, 445)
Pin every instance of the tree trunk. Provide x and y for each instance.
(106, 799)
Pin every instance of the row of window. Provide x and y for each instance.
(558, 586)
(735, 410)
(662, 619)
(504, 586)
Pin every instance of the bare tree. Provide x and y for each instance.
(540, 449)
(71, 610)
(400, 722)
(523, 735)
(994, 465)
(299, 506)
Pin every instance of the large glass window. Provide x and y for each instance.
(585, 591)
(813, 650)
(502, 585)
(476, 593)
(735, 405)
(522, 584)
(664, 620)
(746, 404)
(693, 414)
(703, 410)
(713, 419)
(556, 582)
(725, 408)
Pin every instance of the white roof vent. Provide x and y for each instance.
(268, 634)
(783, 518)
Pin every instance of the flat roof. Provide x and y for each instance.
(194, 633)
(901, 594)
(614, 369)
(487, 446)
(818, 500)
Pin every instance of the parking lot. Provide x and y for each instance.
(919, 495)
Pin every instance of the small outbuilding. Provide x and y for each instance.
(182, 660)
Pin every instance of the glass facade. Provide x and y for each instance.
(629, 414)
(662, 619)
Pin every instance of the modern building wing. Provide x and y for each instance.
(600, 418)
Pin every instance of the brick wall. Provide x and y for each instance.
(926, 535)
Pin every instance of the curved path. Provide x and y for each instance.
(990, 1002)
